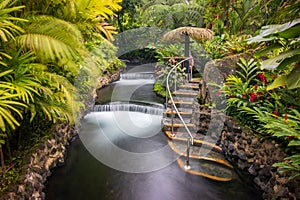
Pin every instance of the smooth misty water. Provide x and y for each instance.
(102, 133)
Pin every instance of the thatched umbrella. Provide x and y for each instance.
(195, 33)
(184, 34)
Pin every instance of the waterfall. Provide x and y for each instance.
(152, 109)
(143, 75)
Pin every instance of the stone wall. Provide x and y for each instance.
(254, 155)
(50, 154)
(251, 154)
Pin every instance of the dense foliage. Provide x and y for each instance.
(43, 44)
(268, 101)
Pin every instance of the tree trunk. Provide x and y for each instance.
(2, 159)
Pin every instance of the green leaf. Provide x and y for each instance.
(268, 49)
(292, 32)
(278, 82)
(293, 79)
(32, 111)
(294, 143)
(294, 175)
(269, 32)
(288, 61)
(274, 62)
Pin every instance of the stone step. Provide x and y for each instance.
(195, 80)
(185, 93)
(184, 112)
(190, 103)
(168, 120)
(206, 169)
(178, 125)
(190, 86)
(199, 140)
(200, 153)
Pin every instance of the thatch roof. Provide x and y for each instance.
(193, 32)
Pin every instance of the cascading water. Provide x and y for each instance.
(152, 109)
(134, 76)
(128, 119)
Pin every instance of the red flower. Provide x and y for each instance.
(286, 118)
(262, 78)
(275, 113)
(244, 96)
(218, 93)
(252, 97)
(255, 87)
(231, 96)
(274, 76)
(291, 137)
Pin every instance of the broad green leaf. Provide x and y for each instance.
(278, 82)
(267, 32)
(268, 49)
(292, 32)
(293, 79)
(274, 62)
(288, 61)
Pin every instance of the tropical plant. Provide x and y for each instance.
(52, 39)
(172, 13)
(216, 47)
(284, 52)
(285, 127)
(176, 77)
(128, 17)
(8, 28)
(248, 89)
(247, 16)
(89, 16)
(40, 56)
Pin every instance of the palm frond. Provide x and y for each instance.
(8, 30)
(94, 8)
(51, 39)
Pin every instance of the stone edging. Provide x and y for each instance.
(50, 154)
(256, 156)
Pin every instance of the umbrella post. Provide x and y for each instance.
(186, 54)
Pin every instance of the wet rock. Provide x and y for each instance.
(42, 147)
(231, 138)
(252, 170)
(231, 147)
(242, 165)
(281, 191)
(242, 155)
(250, 154)
(256, 156)
(260, 183)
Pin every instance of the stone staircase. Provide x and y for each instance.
(205, 157)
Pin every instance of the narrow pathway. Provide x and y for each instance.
(205, 158)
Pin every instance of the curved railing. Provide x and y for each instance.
(172, 100)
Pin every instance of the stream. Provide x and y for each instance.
(124, 133)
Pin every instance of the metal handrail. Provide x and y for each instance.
(172, 100)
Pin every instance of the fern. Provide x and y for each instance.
(172, 14)
(247, 70)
